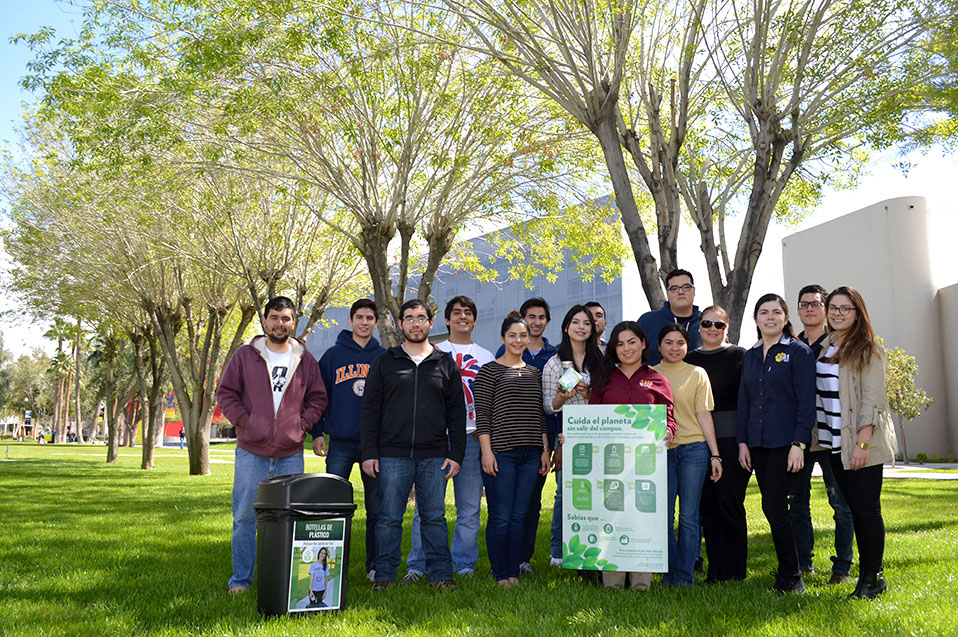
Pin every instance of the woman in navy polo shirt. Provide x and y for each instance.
(776, 413)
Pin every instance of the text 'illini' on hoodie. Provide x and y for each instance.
(344, 368)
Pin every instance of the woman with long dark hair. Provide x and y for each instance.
(693, 454)
(514, 446)
(854, 423)
(722, 507)
(776, 412)
(318, 577)
(579, 349)
(624, 378)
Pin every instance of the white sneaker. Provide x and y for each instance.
(556, 561)
(371, 575)
(412, 577)
(525, 568)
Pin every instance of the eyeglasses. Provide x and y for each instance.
(719, 325)
(675, 288)
(804, 305)
(415, 320)
(841, 311)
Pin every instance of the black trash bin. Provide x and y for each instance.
(297, 518)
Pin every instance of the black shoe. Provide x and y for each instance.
(791, 584)
(699, 565)
(870, 586)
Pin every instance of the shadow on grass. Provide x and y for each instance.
(91, 548)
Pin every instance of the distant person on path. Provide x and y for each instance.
(460, 315)
(811, 312)
(182, 437)
(722, 507)
(413, 432)
(536, 313)
(515, 450)
(344, 368)
(776, 413)
(679, 309)
(855, 426)
(272, 392)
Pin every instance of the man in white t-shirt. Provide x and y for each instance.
(272, 392)
(460, 316)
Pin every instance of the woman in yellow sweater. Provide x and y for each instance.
(693, 453)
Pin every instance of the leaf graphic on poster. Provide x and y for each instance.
(625, 410)
(579, 555)
(659, 429)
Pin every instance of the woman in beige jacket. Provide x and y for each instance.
(853, 421)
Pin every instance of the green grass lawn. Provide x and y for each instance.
(92, 549)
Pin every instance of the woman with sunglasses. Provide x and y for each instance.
(693, 454)
(722, 508)
(854, 423)
(776, 412)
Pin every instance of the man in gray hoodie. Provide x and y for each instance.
(272, 392)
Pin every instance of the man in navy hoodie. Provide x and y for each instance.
(679, 309)
(344, 368)
(271, 391)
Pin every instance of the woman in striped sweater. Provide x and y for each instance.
(511, 428)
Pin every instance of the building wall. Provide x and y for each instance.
(494, 301)
(948, 306)
(882, 250)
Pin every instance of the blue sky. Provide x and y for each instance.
(933, 175)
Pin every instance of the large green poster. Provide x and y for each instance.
(615, 484)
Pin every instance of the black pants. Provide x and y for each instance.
(775, 482)
(723, 516)
(862, 491)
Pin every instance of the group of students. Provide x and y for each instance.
(419, 415)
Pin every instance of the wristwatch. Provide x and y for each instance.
(800, 445)
(863, 445)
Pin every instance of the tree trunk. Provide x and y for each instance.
(606, 132)
(374, 246)
(76, 380)
(109, 401)
(68, 386)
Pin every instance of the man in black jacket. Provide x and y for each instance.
(413, 431)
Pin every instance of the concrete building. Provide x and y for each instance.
(885, 251)
(495, 300)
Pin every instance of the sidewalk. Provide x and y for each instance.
(925, 471)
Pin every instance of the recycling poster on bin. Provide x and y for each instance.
(615, 484)
(315, 575)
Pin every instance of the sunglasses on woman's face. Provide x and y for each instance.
(719, 325)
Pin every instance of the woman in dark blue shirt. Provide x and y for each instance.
(776, 412)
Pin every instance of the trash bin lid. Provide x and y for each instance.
(310, 491)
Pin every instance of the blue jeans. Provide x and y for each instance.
(508, 495)
(687, 468)
(555, 545)
(248, 471)
(799, 511)
(396, 477)
(340, 458)
(467, 487)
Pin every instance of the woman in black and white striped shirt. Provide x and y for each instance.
(512, 437)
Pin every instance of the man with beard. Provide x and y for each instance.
(413, 432)
(272, 392)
